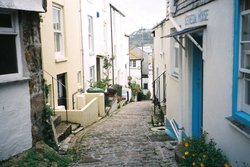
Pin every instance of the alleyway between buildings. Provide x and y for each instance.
(125, 139)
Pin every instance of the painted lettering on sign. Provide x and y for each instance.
(201, 16)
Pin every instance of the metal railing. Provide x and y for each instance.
(53, 93)
(159, 89)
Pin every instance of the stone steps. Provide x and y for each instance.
(63, 130)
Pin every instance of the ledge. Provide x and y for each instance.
(59, 60)
(242, 128)
(13, 79)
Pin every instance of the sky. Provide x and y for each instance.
(141, 13)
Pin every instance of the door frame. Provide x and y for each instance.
(62, 101)
(197, 86)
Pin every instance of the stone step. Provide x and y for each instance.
(63, 130)
(56, 120)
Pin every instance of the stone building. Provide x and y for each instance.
(21, 76)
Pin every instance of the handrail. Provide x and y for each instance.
(159, 76)
(53, 93)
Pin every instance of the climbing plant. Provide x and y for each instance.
(48, 135)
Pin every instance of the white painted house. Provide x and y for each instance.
(21, 76)
(103, 36)
(206, 57)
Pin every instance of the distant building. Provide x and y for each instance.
(104, 36)
(21, 76)
(204, 48)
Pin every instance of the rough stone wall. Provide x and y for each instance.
(31, 47)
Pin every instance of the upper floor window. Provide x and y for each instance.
(10, 54)
(90, 34)
(58, 31)
(175, 58)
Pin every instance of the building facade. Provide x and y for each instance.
(62, 51)
(21, 76)
(104, 36)
(207, 68)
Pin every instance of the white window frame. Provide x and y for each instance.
(105, 36)
(242, 71)
(92, 73)
(175, 59)
(90, 34)
(58, 54)
(14, 30)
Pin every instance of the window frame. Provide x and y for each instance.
(92, 73)
(13, 31)
(58, 54)
(237, 112)
(175, 58)
(91, 34)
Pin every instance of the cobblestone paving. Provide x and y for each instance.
(125, 139)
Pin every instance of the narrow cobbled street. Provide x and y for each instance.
(125, 139)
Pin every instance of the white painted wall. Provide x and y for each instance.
(14, 111)
(135, 72)
(217, 91)
(121, 61)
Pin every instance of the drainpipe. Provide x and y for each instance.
(81, 34)
(112, 43)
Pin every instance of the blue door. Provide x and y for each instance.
(197, 88)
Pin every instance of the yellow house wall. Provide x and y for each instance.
(86, 116)
(72, 63)
(101, 102)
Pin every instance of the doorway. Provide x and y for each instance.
(197, 86)
(61, 90)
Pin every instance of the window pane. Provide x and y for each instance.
(57, 41)
(247, 89)
(245, 55)
(246, 27)
(5, 20)
(245, 5)
(8, 57)
(56, 19)
(176, 65)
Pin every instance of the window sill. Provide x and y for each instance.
(241, 127)
(13, 79)
(60, 60)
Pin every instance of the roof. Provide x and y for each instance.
(185, 31)
(136, 53)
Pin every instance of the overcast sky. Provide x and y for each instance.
(141, 13)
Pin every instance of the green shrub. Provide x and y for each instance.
(197, 152)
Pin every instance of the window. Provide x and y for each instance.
(10, 57)
(175, 59)
(92, 73)
(105, 37)
(132, 63)
(244, 57)
(241, 77)
(58, 31)
(90, 34)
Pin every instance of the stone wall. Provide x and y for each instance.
(31, 47)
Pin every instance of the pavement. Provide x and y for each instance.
(125, 139)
